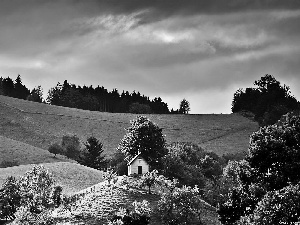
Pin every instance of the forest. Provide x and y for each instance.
(86, 98)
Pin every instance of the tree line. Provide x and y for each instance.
(87, 98)
(16, 89)
(100, 99)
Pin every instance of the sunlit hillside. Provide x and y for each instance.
(71, 176)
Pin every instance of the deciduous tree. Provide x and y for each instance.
(184, 107)
(145, 137)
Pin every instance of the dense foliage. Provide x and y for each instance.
(268, 100)
(29, 196)
(149, 179)
(140, 215)
(180, 206)
(55, 149)
(191, 165)
(146, 138)
(184, 106)
(93, 154)
(15, 89)
(99, 99)
(276, 207)
(267, 172)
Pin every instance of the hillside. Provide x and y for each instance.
(40, 125)
(22, 153)
(71, 176)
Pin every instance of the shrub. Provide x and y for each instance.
(70, 141)
(25, 216)
(57, 196)
(140, 215)
(55, 149)
(119, 163)
(149, 179)
(36, 189)
(71, 146)
(180, 206)
(72, 153)
(276, 207)
(29, 198)
(10, 198)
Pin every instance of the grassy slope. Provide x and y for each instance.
(11, 150)
(40, 125)
(99, 201)
(71, 176)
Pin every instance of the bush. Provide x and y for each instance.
(10, 198)
(180, 206)
(149, 179)
(57, 196)
(276, 207)
(71, 146)
(140, 215)
(36, 189)
(55, 149)
(24, 216)
(70, 141)
(119, 163)
(29, 199)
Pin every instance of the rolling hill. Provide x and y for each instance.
(27, 129)
(40, 125)
(22, 153)
(71, 176)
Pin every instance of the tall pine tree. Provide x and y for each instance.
(93, 156)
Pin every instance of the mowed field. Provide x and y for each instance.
(41, 125)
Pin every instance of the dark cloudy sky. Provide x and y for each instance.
(201, 50)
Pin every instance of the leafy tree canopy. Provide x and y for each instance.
(184, 106)
(265, 175)
(145, 137)
(268, 100)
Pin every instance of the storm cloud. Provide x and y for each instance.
(199, 50)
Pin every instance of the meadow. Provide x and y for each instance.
(41, 125)
(27, 129)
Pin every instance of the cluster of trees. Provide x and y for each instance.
(186, 162)
(31, 198)
(268, 100)
(91, 155)
(99, 99)
(17, 89)
(265, 186)
(90, 98)
(261, 189)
